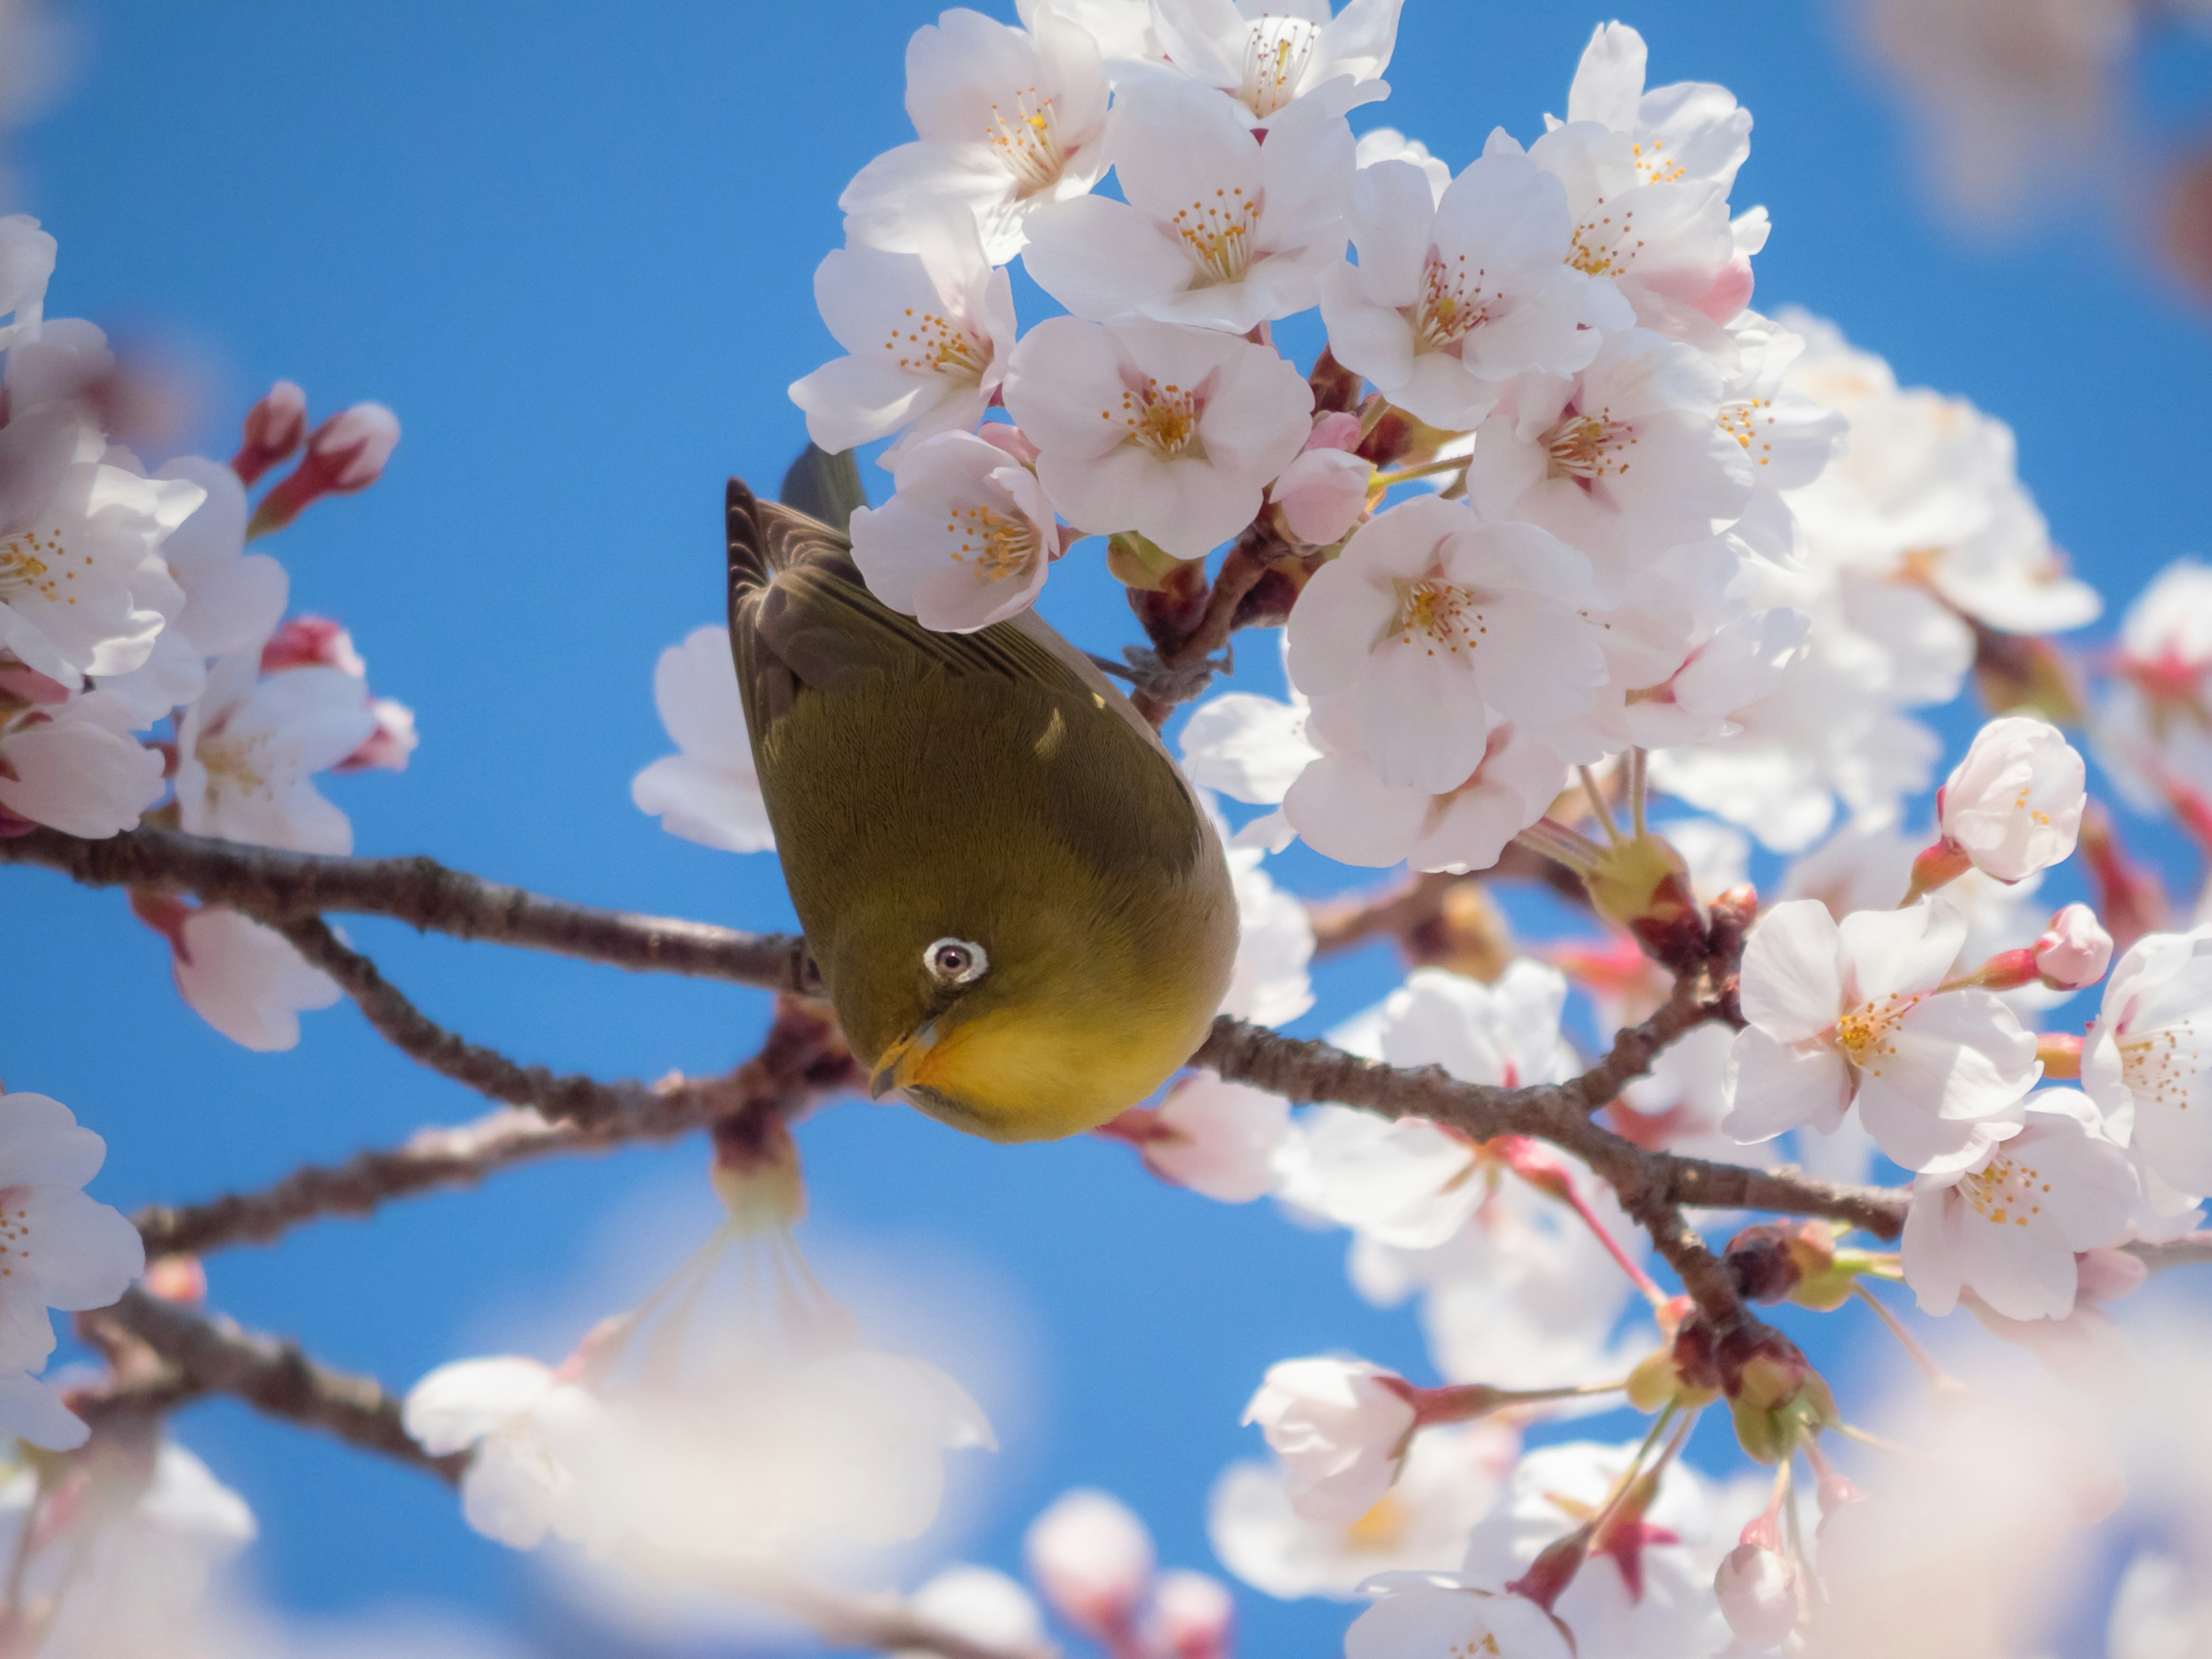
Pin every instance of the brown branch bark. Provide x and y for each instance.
(276, 886)
(803, 1056)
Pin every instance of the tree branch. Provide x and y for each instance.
(803, 1056)
(181, 1355)
(276, 886)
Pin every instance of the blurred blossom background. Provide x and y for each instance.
(572, 246)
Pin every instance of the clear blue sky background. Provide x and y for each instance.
(571, 245)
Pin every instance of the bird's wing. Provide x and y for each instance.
(801, 615)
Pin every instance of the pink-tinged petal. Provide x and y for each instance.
(856, 400)
(1962, 1055)
(1934, 1254)
(704, 802)
(1792, 982)
(1345, 811)
(32, 1411)
(1773, 1086)
(1917, 1139)
(1101, 258)
(42, 1144)
(1901, 950)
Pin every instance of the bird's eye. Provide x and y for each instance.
(956, 961)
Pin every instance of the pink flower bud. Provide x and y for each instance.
(2074, 949)
(176, 1279)
(1337, 430)
(347, 452)
(312, 642)
(1218, 1139)
(1322, 494)
(1757, 1592)
(1341, 1428)
(2014, 804)
(1093, 1561)
(2107, 1274)
(30, 686)
(390, 745)
(1192, 1614)
(274, 428)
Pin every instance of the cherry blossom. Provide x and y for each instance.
(1450, 1476)
(965, 541)
(1449, 302)
(1623, 460)
(2009, 1226)
(1170, 432)
(2014, 804)
(72, 762)
(1221, 1139)
(1214, 230)
(985, 1606)
(1271, 62)
(1761, 1595)
(249, 749)
(528, 1430)
(1341, 1428)
(2153, 729)
(1006, 120)
(1323, 493)
(927, 333)
(60, 1248)
(1194, 1616)
(2147, 1062)
(1428, 618)
(245, 980)
(1847, 1013)
(709, 792)
(1092, 1560)
(1434, 1617)
(345, 455)
(1691, 132)
(2161, 1611)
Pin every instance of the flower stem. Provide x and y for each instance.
(1429, 469)
(1921, 1357)
(1596, 797)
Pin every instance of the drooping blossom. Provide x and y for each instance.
(1171, 432)
(1214, 230)
(2147, 1062)
(2008, 1227)
(529, 1433)
(245, 980)
(1222, 1139)
(1007, 119)
(964, 542)
(2014, 804)
(1449, 302)
(1761, 1595)
(1850, 1013)
(927, 333)
(1341, 1429)
(707, 792)
(1091, 1558)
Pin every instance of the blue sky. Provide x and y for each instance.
(572, 245)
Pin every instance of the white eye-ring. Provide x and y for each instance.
(956, 961)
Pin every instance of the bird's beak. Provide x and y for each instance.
(900, 1063)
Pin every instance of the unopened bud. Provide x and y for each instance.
(2074, 949)
(1759, 1594)
(1322, 495)
(1778, 1398)
(312, 642)
(1092, 1560)
(756, 1172)
(1644, 884)
(274, 426)
(2059, 1055)
(1012, 439)
(1938, 867)
(176, 1279)
(390, 745)
(1797, 1261)
(347, 453)
(1194, 1616)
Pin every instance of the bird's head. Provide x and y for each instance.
(1016, 1021)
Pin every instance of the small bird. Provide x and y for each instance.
(1012, 895)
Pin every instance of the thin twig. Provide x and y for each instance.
(803, 1056)
(275, 886)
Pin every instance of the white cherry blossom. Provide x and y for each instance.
(73, 763)
(2153, 728)
(1850, 1013)
(1434, 1617)
(2162, 1610)
(964, 542)
(1623, 460)
(248, 751)
(83, 590)
(1429, 618)
(2008, 1227)
(1389, 144)
(2147, 1062)
(980, 1603)
(2014, 804)
(1692, 132)
(1007, 119)
(1341, 1428)
(1222, 1139)
(245, 980)
(1761, 1595)
(1452, 1474)
(1194, 1615)
(529, 1432)
(1341, 807)
(58, 1248)
(1449, 302)
(708, 792)
(1322, 495)
(1171, 432)
(927, 333)
(2074, 950)
(1214, 230)
(1269, 984)
(1270, 56)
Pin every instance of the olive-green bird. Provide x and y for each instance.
(1023, 918)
